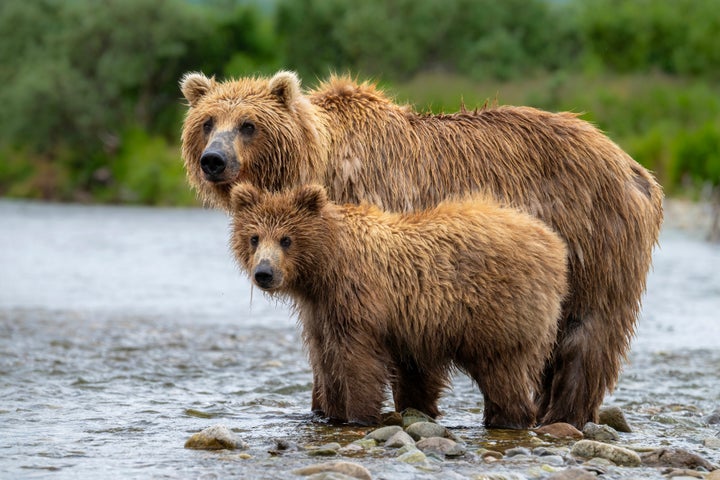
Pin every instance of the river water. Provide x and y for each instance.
(125, 330)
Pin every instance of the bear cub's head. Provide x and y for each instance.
(280, 238)
(243, 130)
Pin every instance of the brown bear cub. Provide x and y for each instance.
(401, 299)
(363, 147)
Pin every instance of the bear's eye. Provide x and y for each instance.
(254, 240)
(285, 242)
(208, 125)
(247, 128)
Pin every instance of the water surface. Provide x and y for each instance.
(125, 330)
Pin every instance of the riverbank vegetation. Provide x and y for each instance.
(91, 110)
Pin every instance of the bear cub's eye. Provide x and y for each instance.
(208, 125)
(247, 128)
(285, 242)
(254, 240)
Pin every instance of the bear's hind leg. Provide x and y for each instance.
(418, 388)
(507, 395)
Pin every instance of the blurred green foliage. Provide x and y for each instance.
(91, 110)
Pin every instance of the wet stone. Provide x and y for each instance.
(442, 446)
(327, 450)
(712, 442)
(347, 469)
(410, 416)
(486, 454)
(215, 437)
(601, 433)
(572, 474)
(547, 451)
(560, 430)
(615, 418)
(420, 430)
(682, 473)
(412, 456)
(351, 449)
(392, 418)
(383, 433)
(674, 457)
(366, 443)
(618, 455)
(399, 439)
(713, 418)
(514, 452)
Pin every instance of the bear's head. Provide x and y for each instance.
(263, 131)
(281, 239)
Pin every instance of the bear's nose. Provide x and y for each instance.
(263, 275)
(213, 163)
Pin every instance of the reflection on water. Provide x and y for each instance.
(125, 330)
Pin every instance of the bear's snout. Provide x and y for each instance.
(213, 164)
(264, 275)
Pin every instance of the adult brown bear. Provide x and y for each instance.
(361, 146)
(402, 298)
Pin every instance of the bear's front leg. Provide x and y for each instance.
(352, 381)
(418, 388)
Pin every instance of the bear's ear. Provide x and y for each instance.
(244, 195)
(311, 198)
(195, 85)
(286, 87)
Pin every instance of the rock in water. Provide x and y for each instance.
(420, 430)
(559, 430)
(349, 469)
(615, 418)
(601, 433)
(618, 455)
(442, 446)
(216, 437)
(674, 457)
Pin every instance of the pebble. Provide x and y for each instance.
(601, 433)
(546, 451)
(682, 473)
(615, 418)
(366, 443)
(349, 469)
(399, 439)
(442, 446)
(500, 476)
(572, 474)
(327, 450)
(330, 476)
(215, 437)
(713, 418)
(420, 430)
(352, 449)
(383, 433)
(618, 455)
(514, 452)
(674, 457)
(712, 442)
(412, 455)
(560, 430)
(410, 416)
(491, 455)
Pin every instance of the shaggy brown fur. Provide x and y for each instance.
(401, 298)
(363, 147)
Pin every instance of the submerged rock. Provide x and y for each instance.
(572, 474)
(618, 455)
(383, 433)
(410, 416)
(399, 439)
(216, 437)
(559, 430)
(674, 457)
(352, 470)
(420, 430)
(327, 450)
(601, 433)
(615, 418)
(442, 446)
(411, 455)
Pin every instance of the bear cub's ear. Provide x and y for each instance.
(244, 195)
(286, 86)
(195, 85)
(311, 198)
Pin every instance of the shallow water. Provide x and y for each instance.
(125, 330)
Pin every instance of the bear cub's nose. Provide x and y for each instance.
(263, 275)
(213, 164)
